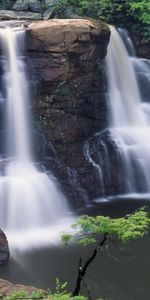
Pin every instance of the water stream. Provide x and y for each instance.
(128, 121)
(31, 201)
(128, 80)
(32, 208)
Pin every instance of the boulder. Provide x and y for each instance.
(70, 13)
(19, 15)
(50, 11)
(35, 6)
(69, 35)
(6, 4)
(21, 5)
(48, 14)
(4, 248)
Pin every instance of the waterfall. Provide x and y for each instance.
(120, 153)
(16, 94)
(129, 114)
(30, 200)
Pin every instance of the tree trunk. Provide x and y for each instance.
(82, 270)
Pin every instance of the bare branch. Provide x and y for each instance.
(110, 255)
(82, 270)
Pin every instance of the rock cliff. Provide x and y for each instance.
(65, 61)
(4, 248)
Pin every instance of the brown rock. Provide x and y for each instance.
(63, 34)
(65, 59)
(4, 248)
(53, 41)
(7, 288)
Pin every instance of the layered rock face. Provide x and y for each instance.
(65, 60)
(4, 248)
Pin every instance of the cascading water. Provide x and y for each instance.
(129, 124)
(127, 140)
(30, 200)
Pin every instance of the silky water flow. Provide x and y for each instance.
(31, 204)
(128, 81)
(129, 115)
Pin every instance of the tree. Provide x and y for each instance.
(132, 14)
(100, 230)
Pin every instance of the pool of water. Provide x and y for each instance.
(125, 279)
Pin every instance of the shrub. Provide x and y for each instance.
(135, 15)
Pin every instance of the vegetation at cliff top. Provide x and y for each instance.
(134, 15)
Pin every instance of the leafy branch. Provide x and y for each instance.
(89, 229)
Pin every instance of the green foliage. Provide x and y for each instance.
(65, 297)
(66, 238)
(17, 295)
(141, 10)
(60, 294)
(39, 294)
(125, 229)
(133, 14)
(60, 287)
(24, 294)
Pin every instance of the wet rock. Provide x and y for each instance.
(144, 50)
(21, 5)
(35, 6)
(4, 248)
(65, 59)
(19, 15)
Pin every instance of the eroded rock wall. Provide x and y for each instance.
(65, 60)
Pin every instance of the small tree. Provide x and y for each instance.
(100, 229)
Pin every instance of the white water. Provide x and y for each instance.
(129, 117)
(16, 94)
(88, 151)
(30, 201)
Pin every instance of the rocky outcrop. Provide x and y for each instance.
(4, 248)
(21, 5)
(33, 5)
(6, 4)
(19, 15)
(65, 59)
(7, 288)
(48, 13)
